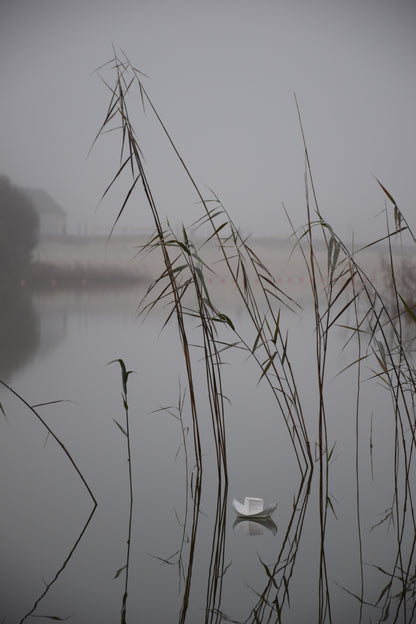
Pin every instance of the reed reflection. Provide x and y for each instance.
(395, 596)
(192, 544)
(275, 595)
(50, 584)
(185, 557)
(217, 567)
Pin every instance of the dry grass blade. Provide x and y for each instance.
(53, 435)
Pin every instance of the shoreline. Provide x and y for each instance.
(95, 261)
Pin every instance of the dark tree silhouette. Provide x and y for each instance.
(19, 225)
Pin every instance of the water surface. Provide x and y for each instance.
(189, 561)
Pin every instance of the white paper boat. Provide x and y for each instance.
(253, 508)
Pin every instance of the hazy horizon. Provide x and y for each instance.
(223, 77)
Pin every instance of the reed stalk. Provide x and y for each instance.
(126, 432)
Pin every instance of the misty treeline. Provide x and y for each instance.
(19, 226)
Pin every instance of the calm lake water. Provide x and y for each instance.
(189, 559)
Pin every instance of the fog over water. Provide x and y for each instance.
(309, 402)
(222, 75)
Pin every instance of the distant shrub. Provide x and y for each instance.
(19, 225)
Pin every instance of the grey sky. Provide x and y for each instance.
(222, 74)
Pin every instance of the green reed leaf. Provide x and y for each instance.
(52, 617)
(408, 309)
(276, 331)
(223, 318)
(124, 374)
(393, 201)
(329, 503)
(119, 571)
(266, 368)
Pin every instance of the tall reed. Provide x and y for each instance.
(343, 289)
(184, 271)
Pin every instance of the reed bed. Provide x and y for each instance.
(375, 320)
(185, 271)
(379, 323)
(343, 295)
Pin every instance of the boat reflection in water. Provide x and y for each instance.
(254, 527)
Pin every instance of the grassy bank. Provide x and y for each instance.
(44, 276)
